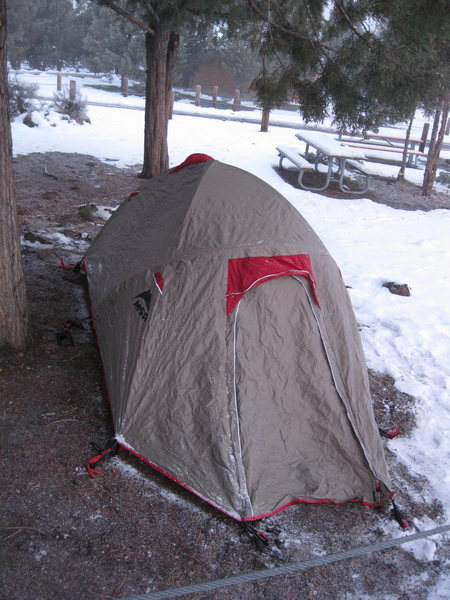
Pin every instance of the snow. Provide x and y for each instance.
(423, 549)
(104, 212)
(406, 337)
(326, 143)
(441, 590)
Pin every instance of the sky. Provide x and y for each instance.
(407, 338)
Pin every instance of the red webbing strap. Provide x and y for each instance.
(93, 472)
(398, 516)
(390, 433)
(79, 266)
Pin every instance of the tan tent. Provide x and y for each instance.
(232, 357)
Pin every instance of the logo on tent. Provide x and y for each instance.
(142, 304)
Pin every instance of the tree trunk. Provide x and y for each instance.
(172, 52)
(14, 322)
(401, 173)
(436, 141)
(161, 52)
(433, 138)
(265, 117)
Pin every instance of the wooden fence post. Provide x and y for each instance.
(215, 91)
(58, 82)
(265, 119)
(198, 91)
(423, 137)
(124, 87)
(72, 89)
(171, 101)
(237, 100)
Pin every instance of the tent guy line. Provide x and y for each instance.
(289, 568)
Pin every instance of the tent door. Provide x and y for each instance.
(295, 438)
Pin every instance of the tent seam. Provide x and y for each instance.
(236, 406)
(338, 390)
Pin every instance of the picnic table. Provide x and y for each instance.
(337, 155)
(377, 144)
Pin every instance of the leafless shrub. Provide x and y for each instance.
(73, 108)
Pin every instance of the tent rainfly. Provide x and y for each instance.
(232, 356)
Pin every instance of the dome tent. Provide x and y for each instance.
(232, 356)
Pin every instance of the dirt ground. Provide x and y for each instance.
(130, 531)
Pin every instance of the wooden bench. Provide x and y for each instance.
(379, 144)
(376, 152)
(372, 138)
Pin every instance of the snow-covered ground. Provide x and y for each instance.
(406, 337)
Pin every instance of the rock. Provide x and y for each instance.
(49, 195)
(400, 289)
(33, 238)
(87, 211)
(28, 121)
(72, 233)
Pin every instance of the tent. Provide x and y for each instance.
(231, 352)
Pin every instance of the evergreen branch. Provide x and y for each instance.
(347, 18)
(295, 34)
(316, 31)
(274, 48)
(123, 13)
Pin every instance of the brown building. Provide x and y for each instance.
(214, 73)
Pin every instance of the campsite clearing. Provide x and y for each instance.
(131, 531)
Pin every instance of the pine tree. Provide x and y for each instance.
(111, 44)
(44, 33)
(162, 20)
(363, 62)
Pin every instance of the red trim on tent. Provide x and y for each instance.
(303, 501)
(246, 273)
(192, 159)
(172, 478)
(159, 281)
(254, 518)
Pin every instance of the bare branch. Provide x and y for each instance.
(123, 13)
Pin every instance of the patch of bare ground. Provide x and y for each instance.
(396, 194)
(131, 531)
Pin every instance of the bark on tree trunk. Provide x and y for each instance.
(14, 321)
(172, 52)
(436, 141)
(265, 117)
(161, 51)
